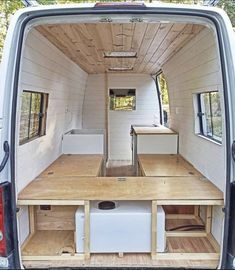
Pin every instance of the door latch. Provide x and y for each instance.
(6, 149)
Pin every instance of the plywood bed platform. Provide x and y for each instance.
(165, 165)
(191, 249)
(166, 189)
(75, 165)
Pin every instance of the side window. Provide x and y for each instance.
(163, 89)
(209, 115)
(33, 115)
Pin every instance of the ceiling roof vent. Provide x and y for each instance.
(120, 54)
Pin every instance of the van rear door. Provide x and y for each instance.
(8, 98)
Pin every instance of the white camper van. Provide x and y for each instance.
(117, 129)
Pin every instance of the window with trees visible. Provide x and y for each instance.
(122, 99)
(163, 89)
(33, 115)
(209, 115)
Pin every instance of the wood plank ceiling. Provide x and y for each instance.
(85, 44)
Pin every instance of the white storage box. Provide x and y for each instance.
(127, 228)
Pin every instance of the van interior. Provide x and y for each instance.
(121, 143)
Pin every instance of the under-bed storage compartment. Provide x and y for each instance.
(52, 221)
(125, 228)
(53, 241)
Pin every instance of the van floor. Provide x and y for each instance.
(120, 168)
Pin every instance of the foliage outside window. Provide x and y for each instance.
(33, 115)
(162, 86)
(209, 113)
(122, 99)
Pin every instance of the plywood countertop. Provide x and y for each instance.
(161, 130)
(111, 188)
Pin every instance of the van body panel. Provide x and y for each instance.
(9, 76)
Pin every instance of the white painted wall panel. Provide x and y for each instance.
(192, 70)
(45, 69)
(157, 144)
(120, 121)
(83, 144)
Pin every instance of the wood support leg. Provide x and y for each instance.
(196, 210)
(87, 230)
(154, 229)
(208, 219)
(32, 219)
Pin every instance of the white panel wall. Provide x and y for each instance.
(196, 69)
(94, 102)
(120, 121)
(45, 69)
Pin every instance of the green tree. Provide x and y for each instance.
(7, 8)
(229, 7)
(163, 88)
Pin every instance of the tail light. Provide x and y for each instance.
(2, 231)
(6, 237)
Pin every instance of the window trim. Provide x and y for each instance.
(42, 117)
(200, 114)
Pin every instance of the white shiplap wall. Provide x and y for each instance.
(45, 69)
(193, 70)
(120, 121)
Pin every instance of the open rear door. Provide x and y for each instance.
(231, 234)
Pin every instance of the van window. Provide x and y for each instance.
(209, 115)
(122, 99)
(162, 86)
(33, 115)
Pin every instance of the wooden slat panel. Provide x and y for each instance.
(154, 43)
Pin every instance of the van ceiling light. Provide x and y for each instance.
(121, 54)
(120, 68)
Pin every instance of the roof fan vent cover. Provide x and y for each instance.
(106, 205)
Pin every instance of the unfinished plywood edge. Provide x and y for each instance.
(154, 228)
(50, 202)
(190, 202)
(186, 256)
(186, 234)
(161, 130)
(180, 216)
(63, 257)
(87, 230)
